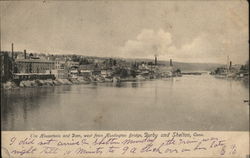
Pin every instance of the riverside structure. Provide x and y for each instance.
(31, 70)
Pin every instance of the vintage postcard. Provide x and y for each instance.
(126, 78)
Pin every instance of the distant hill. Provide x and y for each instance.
(196, 66)
(183, 66)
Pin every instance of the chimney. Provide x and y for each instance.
(227, 62)
(25, 54)
(171, 63)
(12, 50)
(155, 59)
(230, 64)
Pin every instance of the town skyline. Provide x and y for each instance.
(119, 29)
(19, 54)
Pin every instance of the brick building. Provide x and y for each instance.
(33, 66)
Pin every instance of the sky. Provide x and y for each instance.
(185, 31)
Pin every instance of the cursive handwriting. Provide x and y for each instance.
(153, 143)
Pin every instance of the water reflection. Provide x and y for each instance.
(134, 84)
(172, 104)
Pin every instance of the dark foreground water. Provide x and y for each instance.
(186, 103)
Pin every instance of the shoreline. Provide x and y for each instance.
(11, 85)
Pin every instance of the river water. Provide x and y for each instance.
(185, 103)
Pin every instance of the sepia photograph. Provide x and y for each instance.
(126, 65)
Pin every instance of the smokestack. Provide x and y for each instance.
(230, 64)
(155, 59)
(25, 54)
(12, 50)
(171, 63)
(227, 62)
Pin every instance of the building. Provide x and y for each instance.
(234, 68)
(33, 66)
(59, 73)
(74, 73)
(72, 64)
(166, 71)
(143, 67)
(17, 78)
(86, 70)
(96, 71)
(85, 73)
(106, 73)
(60, 64)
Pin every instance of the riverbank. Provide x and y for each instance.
(232, 77)
(42, 83)
(58, 82)
(71, 81)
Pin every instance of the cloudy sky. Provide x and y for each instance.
(187, 31)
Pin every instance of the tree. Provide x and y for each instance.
(96, 65)
(150, 63)
(124, 73)
(178, 71)
(133, 73)
(114, 62)
(245, 67)
(83, 61)
(75, 58)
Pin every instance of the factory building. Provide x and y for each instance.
(33, 66)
